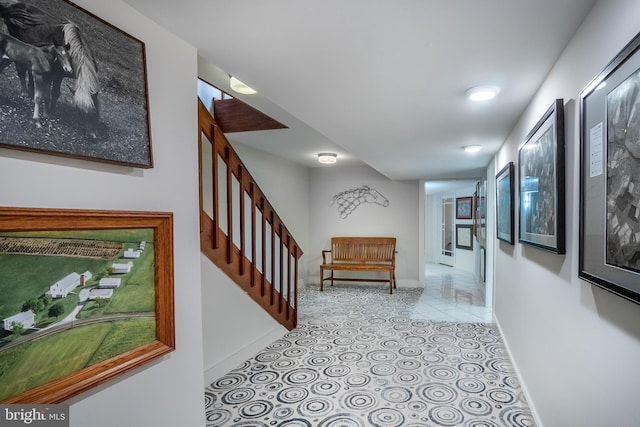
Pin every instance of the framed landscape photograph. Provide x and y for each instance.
(464, 208)
(91, 76)
(84, 297)
(464, 237)
(541, 182)
(609, 254)
(505, 204)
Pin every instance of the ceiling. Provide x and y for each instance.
(379, 82)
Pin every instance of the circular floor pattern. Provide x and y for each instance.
(345, 366)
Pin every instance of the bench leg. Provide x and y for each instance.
(321, 278)
(391, 283)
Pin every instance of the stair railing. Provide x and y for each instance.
(239, 229)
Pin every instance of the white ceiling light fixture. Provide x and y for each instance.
(240, 87)
(327, 158)
(482, 93)
(472, 148)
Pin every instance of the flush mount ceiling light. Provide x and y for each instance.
(472, 148)
(482, 93)
(327, 158)
(240, 87)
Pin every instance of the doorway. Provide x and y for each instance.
(447, 248)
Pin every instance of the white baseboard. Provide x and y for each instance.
(532, 406)
(234, 360)
(408, 283)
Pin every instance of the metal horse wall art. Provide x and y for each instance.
(349, 200)
(35, 27)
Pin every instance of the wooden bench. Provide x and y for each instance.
(371, 254)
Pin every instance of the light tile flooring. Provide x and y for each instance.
(451, 294)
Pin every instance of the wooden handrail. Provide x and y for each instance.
(229, 247)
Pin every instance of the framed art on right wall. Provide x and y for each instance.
(541, 178)
(610, 176)
(504, 204)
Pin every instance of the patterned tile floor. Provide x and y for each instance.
(361, 357)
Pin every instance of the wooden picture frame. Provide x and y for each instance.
(464, 236)
(505, 204)
(609, 255)
(541, 161)
(111, 290)
(464, 207)
(102, 112)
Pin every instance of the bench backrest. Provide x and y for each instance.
(364, 249)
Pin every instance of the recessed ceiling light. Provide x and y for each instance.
(327, 158)
(482, 93)
(240, 87)
(472, 148)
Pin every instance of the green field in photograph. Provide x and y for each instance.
(137, 291)
(52, 357)
(124, 336)
(23, 277)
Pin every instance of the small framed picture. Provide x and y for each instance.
(541, 177)
(464, 236)
(504, 204)
(464, 208)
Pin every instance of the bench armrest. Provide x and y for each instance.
(324, 256)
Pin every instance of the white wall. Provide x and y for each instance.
(575, 346)
(286, 185)
(169, 391)
(235, 327)
(399, 219)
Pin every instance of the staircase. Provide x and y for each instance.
(240, 231)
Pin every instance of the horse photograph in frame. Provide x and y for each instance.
(72, 84)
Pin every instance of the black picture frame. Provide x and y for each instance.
(541, 183)
(505, 204)
(609, 248)
(102, 113)
(464, 207)
(464, 236)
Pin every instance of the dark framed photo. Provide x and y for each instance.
(481, 211)
(483, 265)
(505, 204)
(464, 238)
(610, 176)
(476, 212)
(541, 179)
(90, 79)
(84, 297)
(464, 208)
